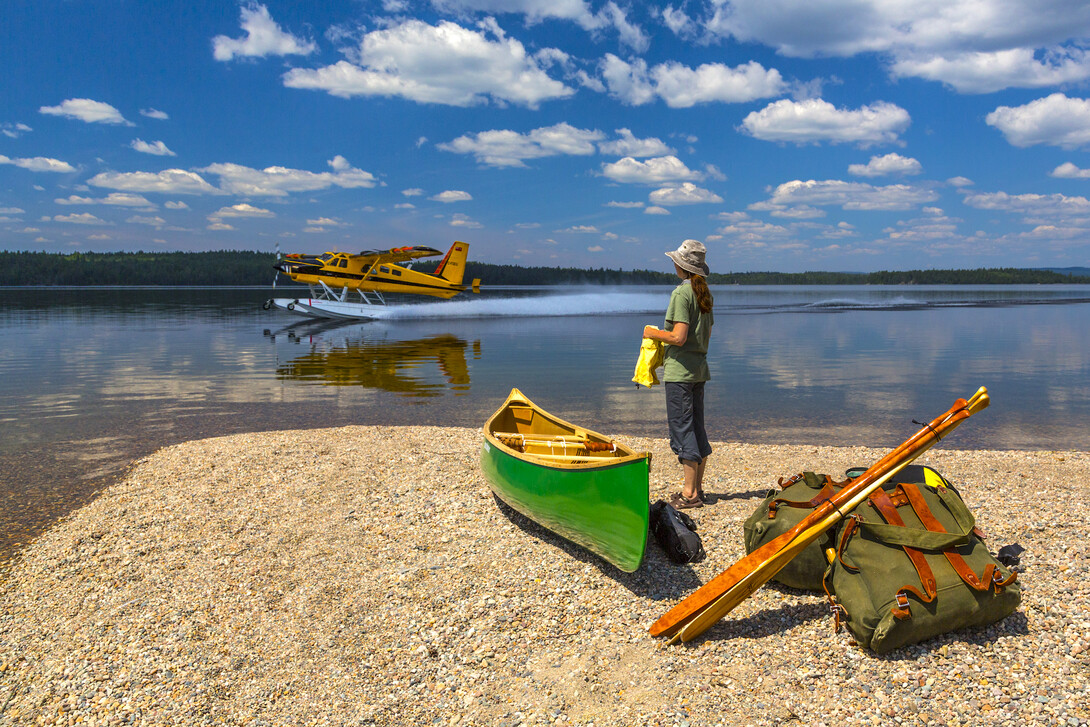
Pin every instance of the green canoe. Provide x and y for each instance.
(579, 484)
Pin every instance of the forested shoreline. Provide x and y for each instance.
(247, 268)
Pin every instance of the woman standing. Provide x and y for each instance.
(685, 367)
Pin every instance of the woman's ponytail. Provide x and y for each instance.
(704, 300)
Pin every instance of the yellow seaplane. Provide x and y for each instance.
(333, 276)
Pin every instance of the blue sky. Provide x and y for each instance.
(786, 135)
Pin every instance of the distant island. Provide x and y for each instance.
(246, 268)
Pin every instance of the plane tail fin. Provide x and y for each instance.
(452, 268)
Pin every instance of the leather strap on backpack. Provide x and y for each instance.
(884, 504)
(991, 577)
(826, 492)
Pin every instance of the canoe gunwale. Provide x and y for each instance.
(584, 463)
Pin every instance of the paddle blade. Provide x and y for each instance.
(979, 401)
(757, 561)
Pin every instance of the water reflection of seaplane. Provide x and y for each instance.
(397, 366)
(331, 276)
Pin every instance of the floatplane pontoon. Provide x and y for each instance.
(334, 276)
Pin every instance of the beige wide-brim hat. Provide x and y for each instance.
(690, 257)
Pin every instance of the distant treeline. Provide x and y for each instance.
(240, 267)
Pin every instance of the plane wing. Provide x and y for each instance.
(398, 254)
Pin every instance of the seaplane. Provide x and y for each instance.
(334, 276)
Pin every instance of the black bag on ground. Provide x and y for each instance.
(675, 532)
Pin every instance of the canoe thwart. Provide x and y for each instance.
(518, 442)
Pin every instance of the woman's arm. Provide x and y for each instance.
(677, 337)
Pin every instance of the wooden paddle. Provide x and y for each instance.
(718, 597)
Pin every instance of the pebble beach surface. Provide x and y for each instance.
(367, 576)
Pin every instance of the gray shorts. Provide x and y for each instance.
(685, 414)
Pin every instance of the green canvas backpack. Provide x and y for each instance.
(782, 510)
(910, 564)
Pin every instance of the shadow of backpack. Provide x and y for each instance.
(676, 533)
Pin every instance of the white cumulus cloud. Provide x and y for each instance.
(610, 16)
(1067, 170)
(168, 181)
(631, 146)
(279, 181)
(815, 120)
(682, 87)
(443, 64)
(157, 148)
(452, 195)
(81, 218)
(1049, 205)
(115, 199)
(658, 170)
(880, 166)
(142, 220)
(326, 222)
(85, 109)
(241, 210)
(684, 193)
(848, 195)
(263, 38)
(505, 148)
(39, 164)
(14, 131)
(1055, 120)
(991, 71)
(460, 220)
(974, 46)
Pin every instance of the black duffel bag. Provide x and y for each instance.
(676, 533)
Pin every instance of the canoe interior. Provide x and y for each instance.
(552, 441)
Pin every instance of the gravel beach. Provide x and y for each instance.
(367, 576)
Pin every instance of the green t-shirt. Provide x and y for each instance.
(689, 362)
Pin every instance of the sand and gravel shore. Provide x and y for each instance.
(366, 576)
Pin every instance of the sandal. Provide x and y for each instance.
(680, 502)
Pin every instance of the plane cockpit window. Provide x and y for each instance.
(342, 263)
(383, 269)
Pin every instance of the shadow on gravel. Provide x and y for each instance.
(770, 621)
(714, 497)
(657, 579)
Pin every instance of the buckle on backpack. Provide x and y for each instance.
(900, 611)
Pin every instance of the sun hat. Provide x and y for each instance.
(690, 257)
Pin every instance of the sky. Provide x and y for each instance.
(786, 135)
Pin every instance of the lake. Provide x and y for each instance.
(91, 379)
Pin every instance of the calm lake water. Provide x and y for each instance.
(91, 379)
